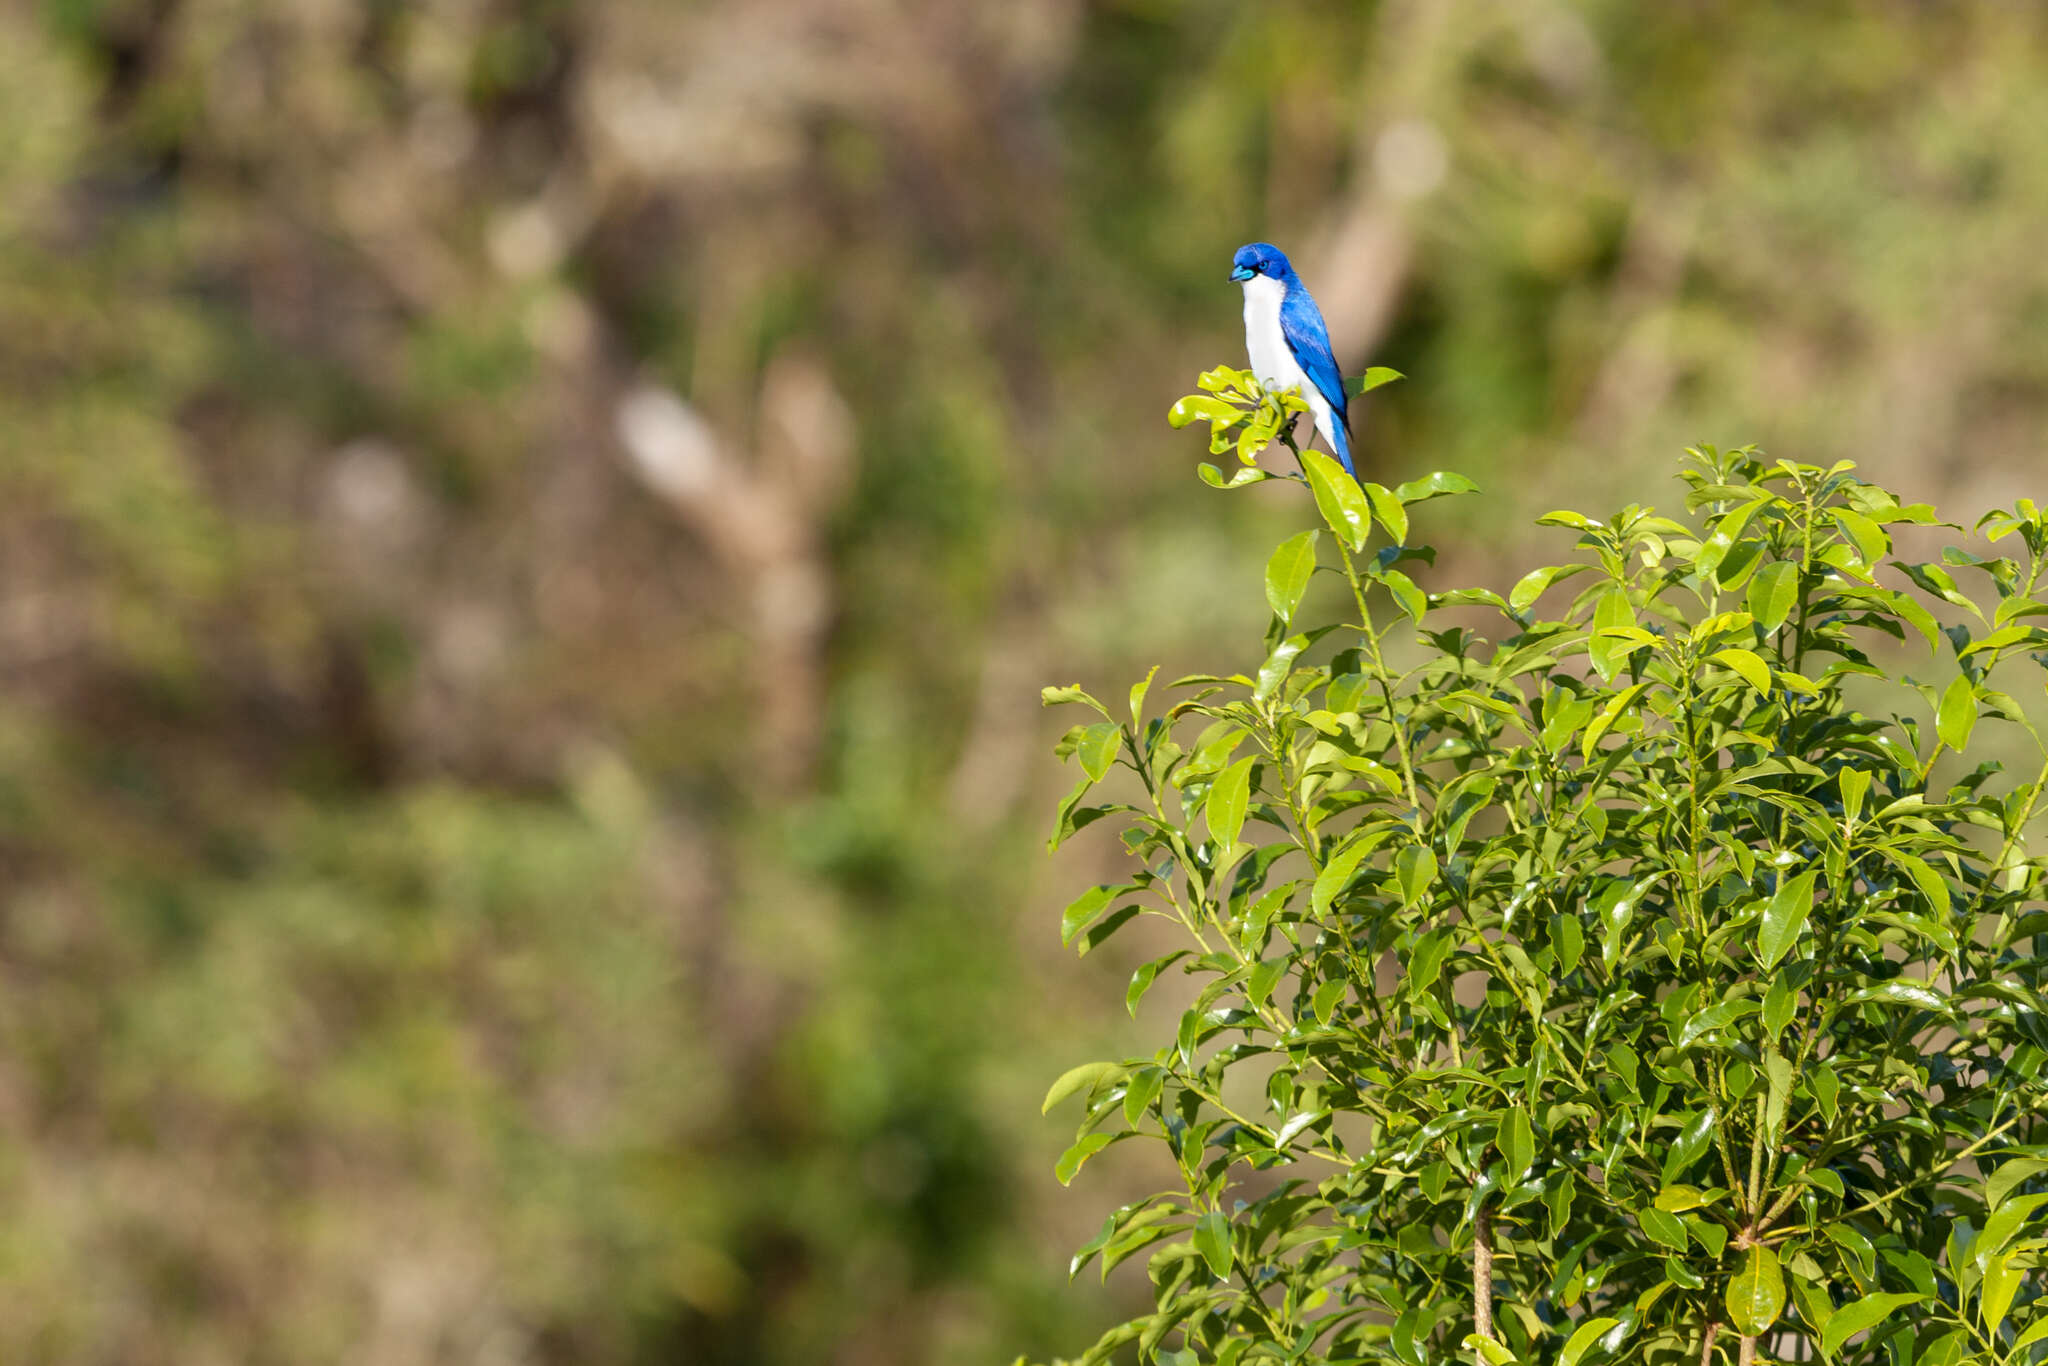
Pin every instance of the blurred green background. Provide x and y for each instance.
(531, 531)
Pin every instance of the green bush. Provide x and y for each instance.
(1636, 966)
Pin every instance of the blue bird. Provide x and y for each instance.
(1289, 342)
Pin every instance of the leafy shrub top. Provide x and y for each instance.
(1642, 964)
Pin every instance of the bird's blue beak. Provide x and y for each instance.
(1243, 273)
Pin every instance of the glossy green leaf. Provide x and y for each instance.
(1337, 875)
(1073, 1159)
(1427, 960)
(1097, 748)
(1714, 1019)
(1288, 571)
(1140, 1091)
(1084, 1078)
(1663, 1228)
(1279, 663)
(1583, 1339)
(1779, 1004)
(1784, 916)
(1228, 797)
(1436, 484)
(2002, 1280)
(1339, 498)
(1495, 1353)
(1516, 1142)
(1691, 1144)
(1373, 378)
(1756, 1292)
(1387, 508)
(1533, 584)
(1212, 1240)
(1082, 911)
(1902, 992)
(1957, 716)
(1773, 592)
(1414, 872)
(1860, 1316)
(1259, 983)
(1748, 664)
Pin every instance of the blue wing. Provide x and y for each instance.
(1308, 337)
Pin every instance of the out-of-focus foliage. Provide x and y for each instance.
(529, 533)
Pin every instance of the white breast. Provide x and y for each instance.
(1272, 359)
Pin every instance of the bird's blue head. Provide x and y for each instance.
(1260, 258)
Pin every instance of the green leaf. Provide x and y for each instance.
(1101, 932)
(1428, 959)
(1141, 1091)
(1611, 613)
(1773, 592)
(1872, 544)
(1516, 1142)
(1855, 784)
(1663, 1228)
(1778, 1073)
(1559, 1199)
(1924, 877)
(1278, 665)
(1692, 1143)
(1496, 1353)
(1336, 875)
(1387, 508)
(1582, 1339)
(1097, 748)
(1716, 547)
(2001, 1282)
(1212, 1240)
(1533, 584)
(1858, 1317)
(2001, 1226)
(1143, 977)
(1086, 1077)
(1138, 691)
(1083, 910)
(1202, 408)
(1783, 918)
(1228, 797)
(1410, 598)
(1339, 497)
(1213, 477)
(1436, 484)
(1072, 1159)
(1846, 1237)
(1826, 1086)
(1958, 714)
(1748, 664)
(1568, 935)
(1713, 1019)
(1072, 692)
(2010, 1174)
(1780, 1002)
(1903, 991)
(1288, 572)
(2038, 1333)
(1372, 379)
(1414, 872)
(1609, 714)
(1756, 1293)
(1262, 979)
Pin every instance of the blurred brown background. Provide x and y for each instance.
(530, 533)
